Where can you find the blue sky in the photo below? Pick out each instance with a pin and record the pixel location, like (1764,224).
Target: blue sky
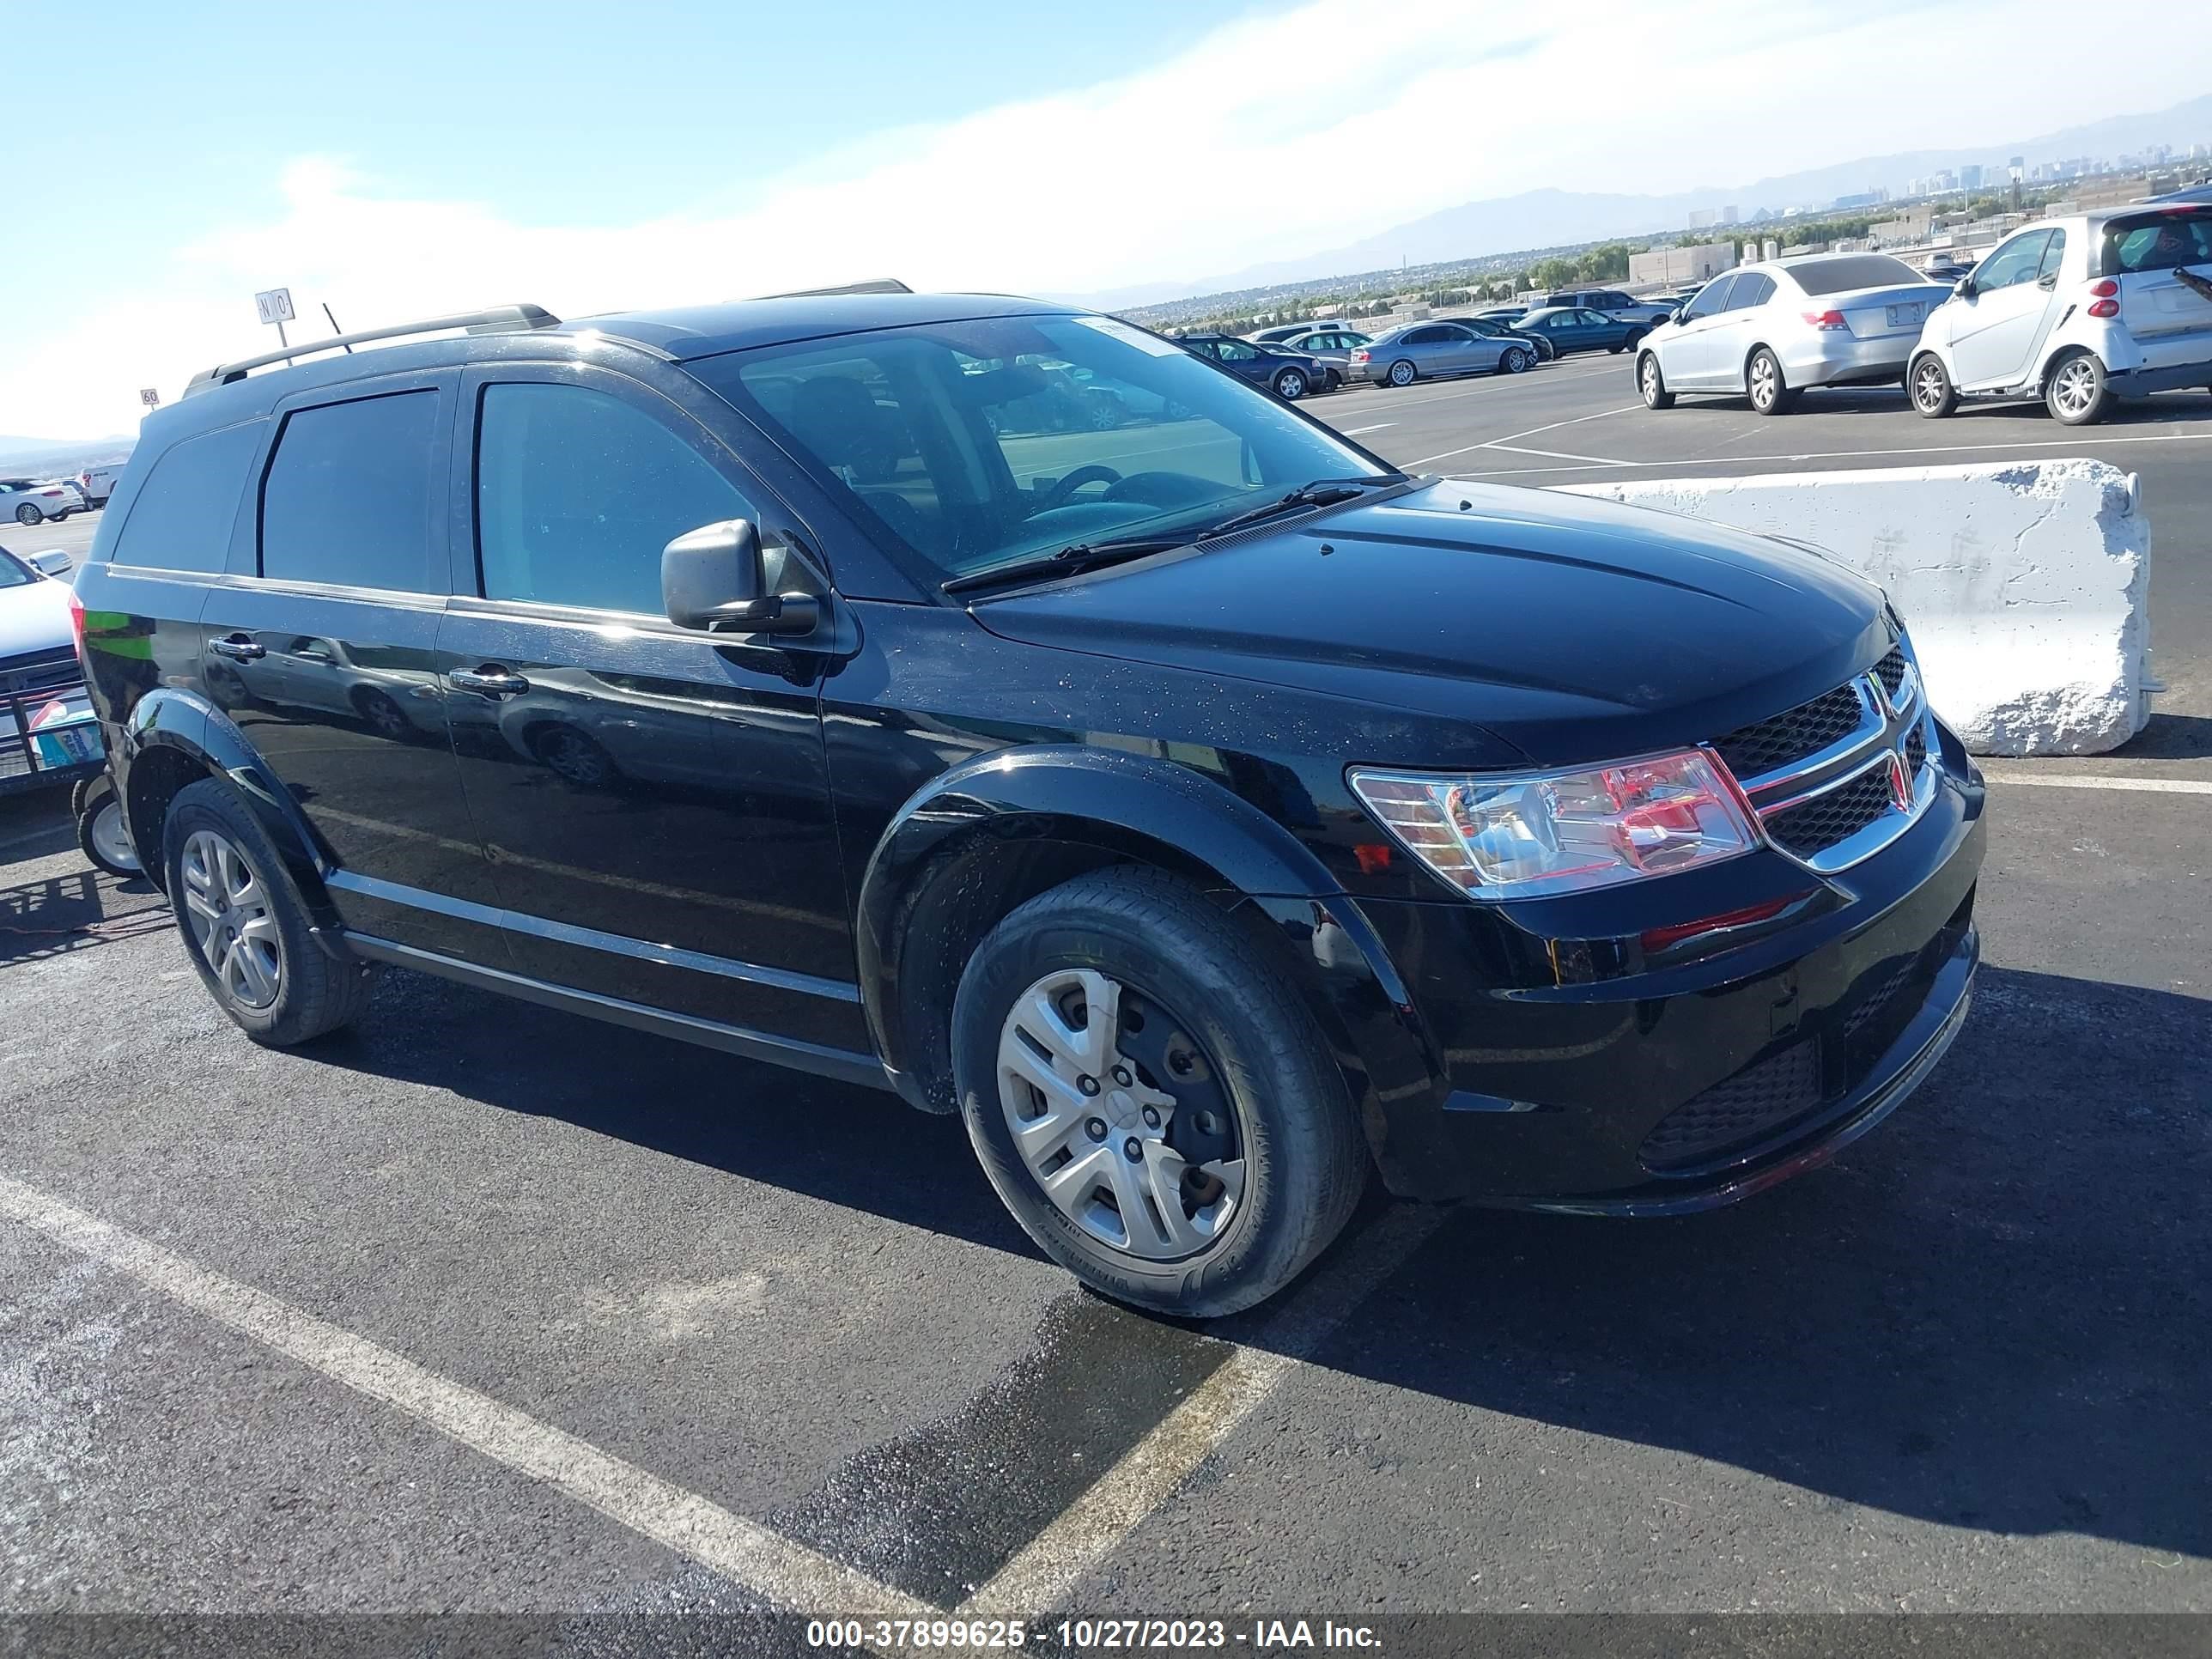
(407,158)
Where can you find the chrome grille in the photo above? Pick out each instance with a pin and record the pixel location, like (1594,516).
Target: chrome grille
(1890,671)
(1826,820)
(1809,727)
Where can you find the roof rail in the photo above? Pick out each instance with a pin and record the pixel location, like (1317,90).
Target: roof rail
(494,319)
(874,285)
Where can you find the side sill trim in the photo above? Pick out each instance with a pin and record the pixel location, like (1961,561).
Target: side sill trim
(515,922)
(840,1064)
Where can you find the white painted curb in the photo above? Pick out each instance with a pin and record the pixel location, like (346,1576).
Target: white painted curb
(2024,584)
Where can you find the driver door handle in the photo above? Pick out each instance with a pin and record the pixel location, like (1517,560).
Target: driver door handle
(238,648)
(490,679)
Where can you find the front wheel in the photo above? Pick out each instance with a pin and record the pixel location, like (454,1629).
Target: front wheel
(1934,396)
(1290,386)
(1402,374)
(1515,362)
(1150,1098)
(1652,384)
(28,515)
(2078,394)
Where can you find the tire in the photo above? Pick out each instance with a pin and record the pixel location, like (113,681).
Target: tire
(279,986)
(1928,383)
(1770,394)
(1290,386)
(103,834)
(576,757)
(1403,374)
(385,718)
(2077,394)
(1331,380)
(1651,383)
(1197,1000)
(28,515)
(1513,361)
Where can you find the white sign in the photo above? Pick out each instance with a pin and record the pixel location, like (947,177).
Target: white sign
(275,304)
(148,397)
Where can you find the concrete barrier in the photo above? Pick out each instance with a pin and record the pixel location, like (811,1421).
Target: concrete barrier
(2024,585)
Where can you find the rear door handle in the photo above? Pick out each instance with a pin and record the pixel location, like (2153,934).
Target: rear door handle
(238,648)
(490,679)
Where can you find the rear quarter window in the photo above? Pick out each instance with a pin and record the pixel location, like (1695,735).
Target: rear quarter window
(2163,241)
(185,511)
(347,497)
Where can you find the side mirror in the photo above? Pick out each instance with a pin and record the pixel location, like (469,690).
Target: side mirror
(54,562)
(714,579)
(1965,289)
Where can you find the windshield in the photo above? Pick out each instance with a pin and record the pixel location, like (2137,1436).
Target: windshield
(975,443)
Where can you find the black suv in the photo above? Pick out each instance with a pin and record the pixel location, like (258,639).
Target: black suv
(1212,814)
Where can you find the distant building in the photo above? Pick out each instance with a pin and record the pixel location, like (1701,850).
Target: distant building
(1671,265)
(1864,199)
(1701,218)
(1970,178)
(1727,215)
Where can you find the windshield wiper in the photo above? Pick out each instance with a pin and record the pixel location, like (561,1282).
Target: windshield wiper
(1321,492)
(1068,562)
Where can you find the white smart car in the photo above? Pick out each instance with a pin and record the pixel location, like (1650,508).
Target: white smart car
(2077,311)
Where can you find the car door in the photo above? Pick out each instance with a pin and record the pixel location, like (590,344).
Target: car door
(1691,356)
(1244,361)
(1739,326)
(343,550)
(2006,313)
(655,803)
(1466,351)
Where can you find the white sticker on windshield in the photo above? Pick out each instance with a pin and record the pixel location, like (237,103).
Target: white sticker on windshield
(1136,337)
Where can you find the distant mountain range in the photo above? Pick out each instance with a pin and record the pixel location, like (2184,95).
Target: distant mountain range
(54,456)
(1553,218)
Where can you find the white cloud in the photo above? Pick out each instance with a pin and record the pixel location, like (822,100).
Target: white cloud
(1264,141)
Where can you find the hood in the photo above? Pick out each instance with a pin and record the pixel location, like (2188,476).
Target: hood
(34,617)
(1574,629)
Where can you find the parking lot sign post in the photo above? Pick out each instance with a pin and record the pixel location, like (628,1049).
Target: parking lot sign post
(274,306)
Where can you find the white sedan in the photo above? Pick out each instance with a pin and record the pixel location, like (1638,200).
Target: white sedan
(1767,331)
(34,501)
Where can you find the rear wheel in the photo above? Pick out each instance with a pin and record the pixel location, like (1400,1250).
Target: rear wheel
(1930,382)
(1651,383)
(246,927)
(1403,373)
(1770,394)
(1150,1098)
(1290,386)
(2077,393)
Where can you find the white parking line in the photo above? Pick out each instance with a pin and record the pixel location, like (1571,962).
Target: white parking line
(1039,1576)
(1354,431)
(2093,781)
(1514,437)
(743,1551)
(1826,454)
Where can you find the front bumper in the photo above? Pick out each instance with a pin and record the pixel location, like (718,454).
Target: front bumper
(1632,1086)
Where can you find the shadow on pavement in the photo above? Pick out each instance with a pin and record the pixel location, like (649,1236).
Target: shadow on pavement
(1992,1312)
(2168,736)
(52,915)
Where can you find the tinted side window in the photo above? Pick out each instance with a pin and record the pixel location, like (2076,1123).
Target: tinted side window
(183,516)
(1712,297)
(348,495)
(1755,289)
(577,492)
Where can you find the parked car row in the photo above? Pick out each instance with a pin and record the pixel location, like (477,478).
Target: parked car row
(2076,311)
(33,502)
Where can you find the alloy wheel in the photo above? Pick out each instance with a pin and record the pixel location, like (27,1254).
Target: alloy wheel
(227,908)
(1120,1116)
(1928,385)
(1764,382)
(1649,379)
(2075,387)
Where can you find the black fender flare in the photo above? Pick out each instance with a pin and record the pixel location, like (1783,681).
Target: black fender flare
(928,881)
(174,724)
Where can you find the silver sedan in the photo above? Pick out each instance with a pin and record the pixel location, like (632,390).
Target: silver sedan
(1421,351)
(1767,331)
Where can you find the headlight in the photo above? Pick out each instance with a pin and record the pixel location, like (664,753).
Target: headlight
(1530,835)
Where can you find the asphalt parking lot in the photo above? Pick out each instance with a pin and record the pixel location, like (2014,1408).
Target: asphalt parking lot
(481,1309)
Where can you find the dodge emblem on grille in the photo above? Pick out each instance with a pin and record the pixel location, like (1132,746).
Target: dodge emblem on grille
(1900,782)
